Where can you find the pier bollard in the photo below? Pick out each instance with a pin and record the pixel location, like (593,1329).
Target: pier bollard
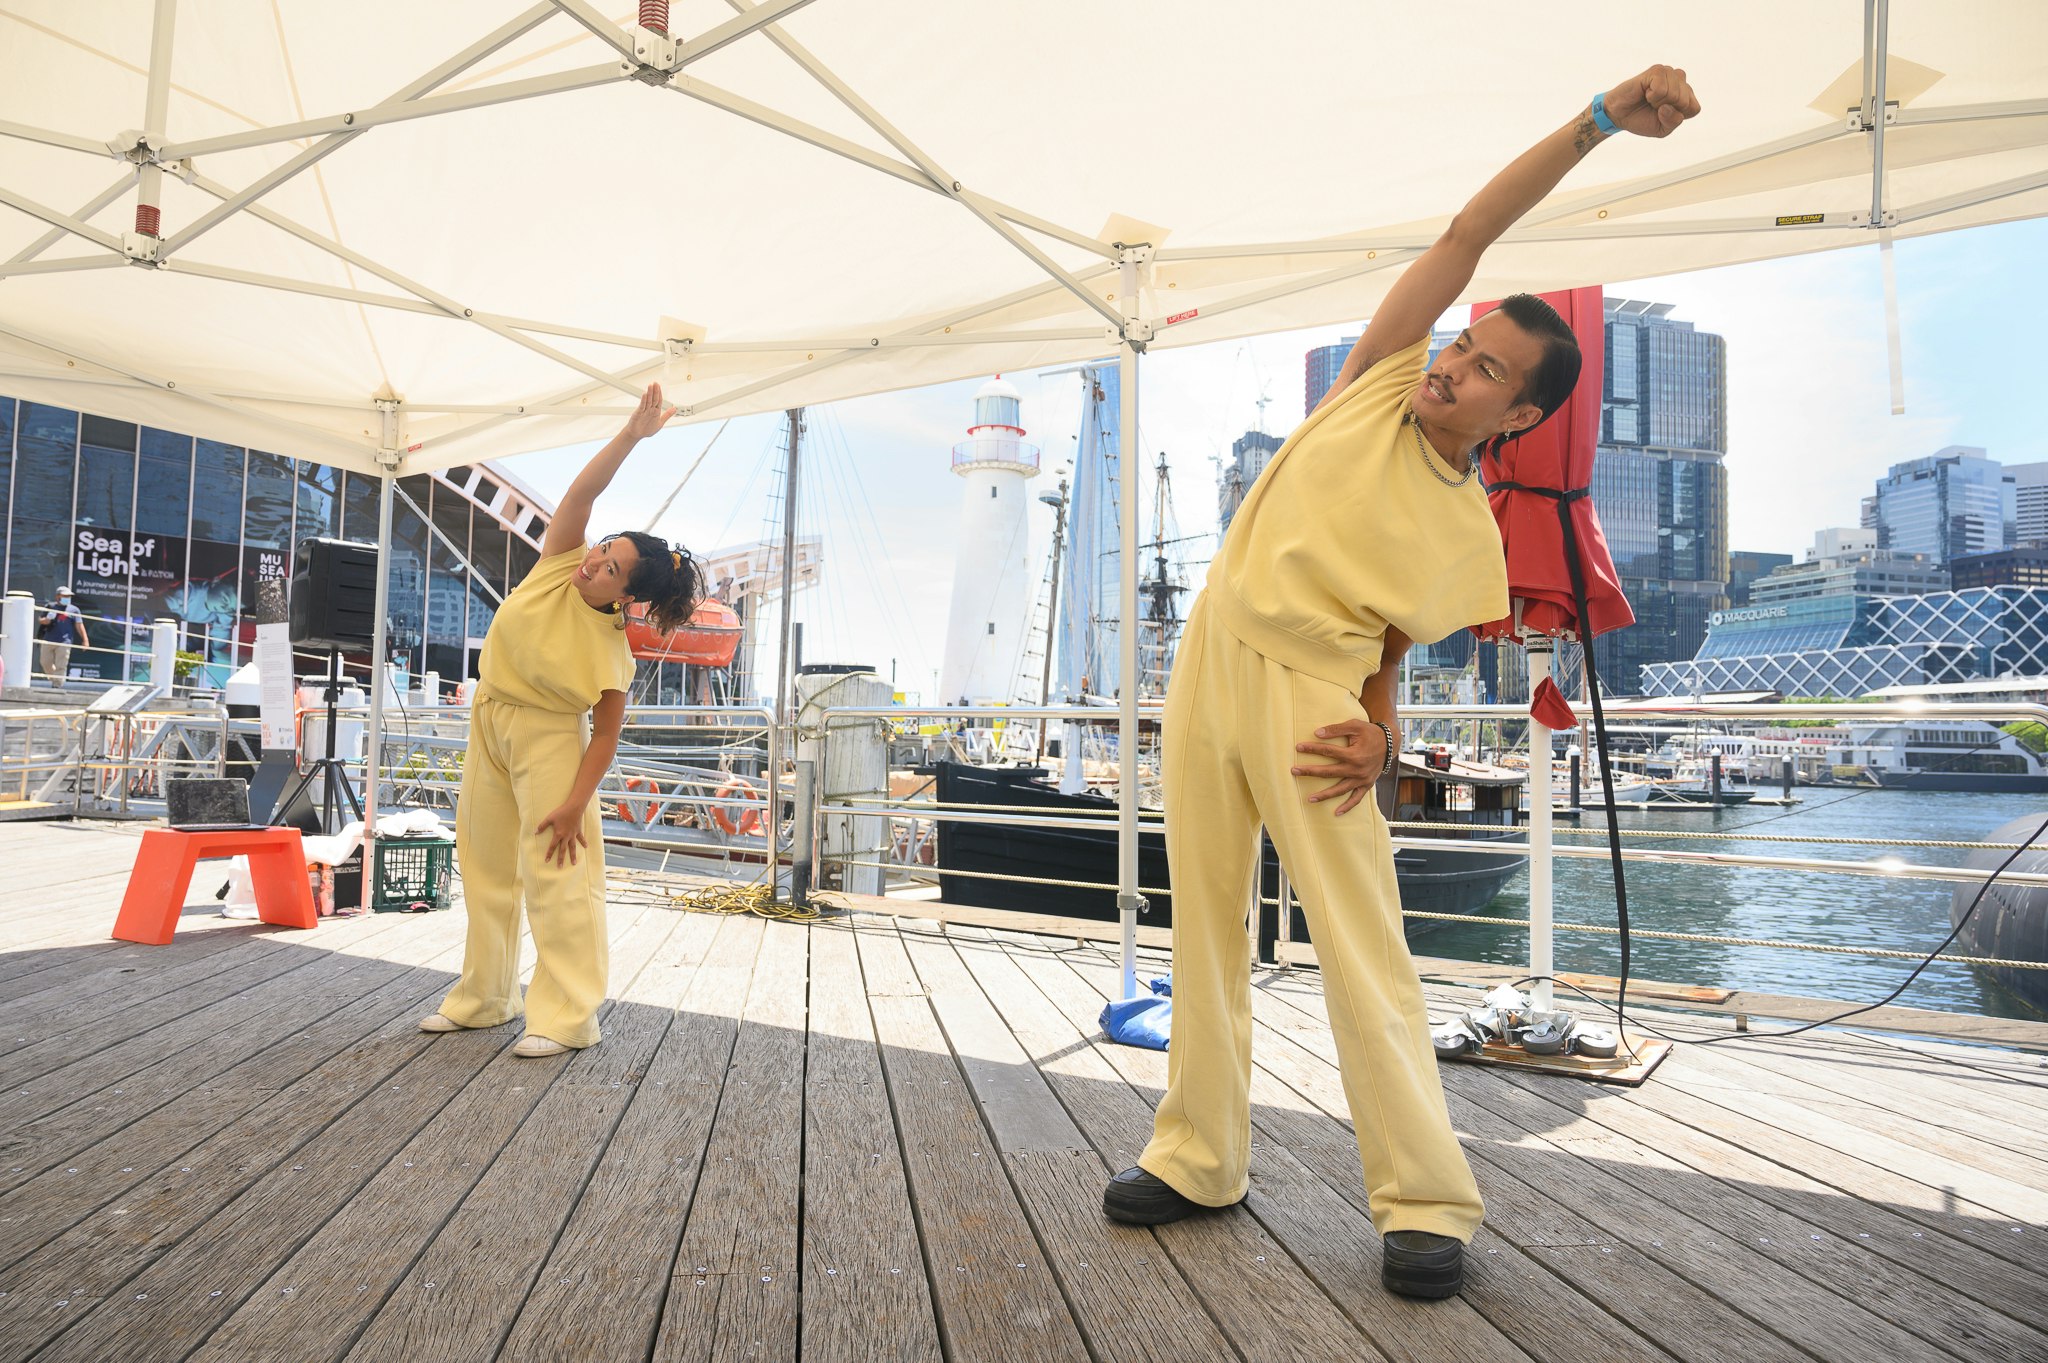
(803,837)
(1574,779)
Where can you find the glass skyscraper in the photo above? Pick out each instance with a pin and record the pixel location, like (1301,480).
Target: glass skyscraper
(1660,485)
(1951,503)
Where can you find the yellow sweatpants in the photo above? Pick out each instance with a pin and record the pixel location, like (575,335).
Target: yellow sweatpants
(521,764)
(1232,720)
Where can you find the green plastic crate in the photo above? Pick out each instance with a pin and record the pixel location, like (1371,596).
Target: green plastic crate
(412,871)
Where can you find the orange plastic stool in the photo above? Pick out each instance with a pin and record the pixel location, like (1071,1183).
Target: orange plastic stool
(163,872)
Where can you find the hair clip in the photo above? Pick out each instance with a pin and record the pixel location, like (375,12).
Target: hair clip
(676,554)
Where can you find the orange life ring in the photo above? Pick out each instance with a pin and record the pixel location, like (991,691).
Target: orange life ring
(749,820)
(642,814)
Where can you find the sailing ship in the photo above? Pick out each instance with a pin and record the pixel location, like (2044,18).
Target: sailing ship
(1465,799)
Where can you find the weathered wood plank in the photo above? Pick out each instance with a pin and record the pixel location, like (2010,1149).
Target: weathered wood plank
(1259,1291)
(167,1309)
(50,1203)
(974,1233)
(456,1102)
(149,1213)
(1111,1275)
(735,1288)
(1953,1296)
(318,1300)
(97,1019)
(111,1091)
(1295,1140)
(1669,1241)
(857,1216)
(599,1296)
(1936,1116)
(459,1298)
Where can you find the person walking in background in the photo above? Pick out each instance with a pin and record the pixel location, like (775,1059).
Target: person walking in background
(62,626)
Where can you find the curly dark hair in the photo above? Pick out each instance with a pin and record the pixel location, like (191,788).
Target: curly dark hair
(666,578)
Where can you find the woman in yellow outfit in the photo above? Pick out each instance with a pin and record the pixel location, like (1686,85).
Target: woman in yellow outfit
(550,698)
(1364,533)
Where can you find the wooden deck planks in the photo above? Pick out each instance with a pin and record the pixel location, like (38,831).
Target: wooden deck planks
(1712,1233)
(990,1282)
(601,1292)
(733,1292)
(864,1290)
(904,1128)
(459,1298)
(292,1081)
(362,1260)
(1127,1298)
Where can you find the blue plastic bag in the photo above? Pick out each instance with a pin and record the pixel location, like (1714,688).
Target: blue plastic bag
(1141,1021)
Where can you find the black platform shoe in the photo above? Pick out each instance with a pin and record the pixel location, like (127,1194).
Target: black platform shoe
(1141,1199)
(1416,1263)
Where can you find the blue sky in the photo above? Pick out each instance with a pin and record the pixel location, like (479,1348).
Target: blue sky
(1810,428)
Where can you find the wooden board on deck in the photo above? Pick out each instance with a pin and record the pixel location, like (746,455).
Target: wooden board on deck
(884,1115)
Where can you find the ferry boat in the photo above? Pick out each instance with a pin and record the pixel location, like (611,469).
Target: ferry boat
(1937,754)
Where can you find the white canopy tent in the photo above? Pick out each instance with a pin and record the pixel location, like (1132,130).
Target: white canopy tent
(398,237)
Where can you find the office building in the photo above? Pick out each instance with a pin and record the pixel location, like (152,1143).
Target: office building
(1953,502)
(1660,485)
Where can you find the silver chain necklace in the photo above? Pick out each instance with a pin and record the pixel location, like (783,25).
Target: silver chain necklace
(1430,459)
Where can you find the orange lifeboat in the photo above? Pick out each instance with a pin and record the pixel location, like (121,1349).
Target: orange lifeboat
(709,639)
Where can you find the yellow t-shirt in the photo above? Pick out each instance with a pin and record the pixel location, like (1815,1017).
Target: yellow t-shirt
(1347,531)
(547,649)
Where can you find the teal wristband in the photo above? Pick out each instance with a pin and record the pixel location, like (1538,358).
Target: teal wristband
(1600,118)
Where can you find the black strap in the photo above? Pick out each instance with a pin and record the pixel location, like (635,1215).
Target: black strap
(1564,499)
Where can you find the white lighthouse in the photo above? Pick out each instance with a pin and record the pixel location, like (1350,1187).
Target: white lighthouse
(991,576)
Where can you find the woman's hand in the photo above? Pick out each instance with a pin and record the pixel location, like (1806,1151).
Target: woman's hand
(650,416)
(564,829)
(1654,103)
(1358,755)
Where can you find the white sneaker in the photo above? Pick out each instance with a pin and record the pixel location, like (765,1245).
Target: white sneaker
(434,1022)
(533,1046)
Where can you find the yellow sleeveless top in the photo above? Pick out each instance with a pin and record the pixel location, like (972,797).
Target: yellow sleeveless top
(547,649)
(1347,531)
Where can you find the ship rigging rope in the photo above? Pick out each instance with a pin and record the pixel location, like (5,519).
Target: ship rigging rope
(662,510)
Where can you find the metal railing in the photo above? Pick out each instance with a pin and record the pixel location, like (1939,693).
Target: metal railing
(1890,867)
(676,768)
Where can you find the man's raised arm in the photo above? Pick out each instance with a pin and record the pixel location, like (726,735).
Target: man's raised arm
(1648,105)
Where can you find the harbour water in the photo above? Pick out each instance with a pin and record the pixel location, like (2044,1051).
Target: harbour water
(1908,915)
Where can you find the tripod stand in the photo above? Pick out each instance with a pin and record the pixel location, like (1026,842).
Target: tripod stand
(333,774)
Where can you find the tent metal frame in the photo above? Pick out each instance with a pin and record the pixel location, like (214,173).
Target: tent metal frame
(660,60)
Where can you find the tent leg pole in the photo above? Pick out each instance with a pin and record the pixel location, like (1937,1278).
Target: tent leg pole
(380,645)
(1540,916)
(1128,900)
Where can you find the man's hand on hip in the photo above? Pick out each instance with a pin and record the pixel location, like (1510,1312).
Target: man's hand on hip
(1357,750)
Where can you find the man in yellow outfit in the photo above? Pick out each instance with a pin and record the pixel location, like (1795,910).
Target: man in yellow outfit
(1364,533)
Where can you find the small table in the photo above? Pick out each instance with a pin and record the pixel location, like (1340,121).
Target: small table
(163,872)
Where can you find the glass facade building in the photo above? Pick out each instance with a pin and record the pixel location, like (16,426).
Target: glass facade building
(1745,566)
(1852,645)
(1321,367)
(144,524)
(1660,486)
(1951,503)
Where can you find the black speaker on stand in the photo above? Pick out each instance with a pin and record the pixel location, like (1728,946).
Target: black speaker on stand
(333,606)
